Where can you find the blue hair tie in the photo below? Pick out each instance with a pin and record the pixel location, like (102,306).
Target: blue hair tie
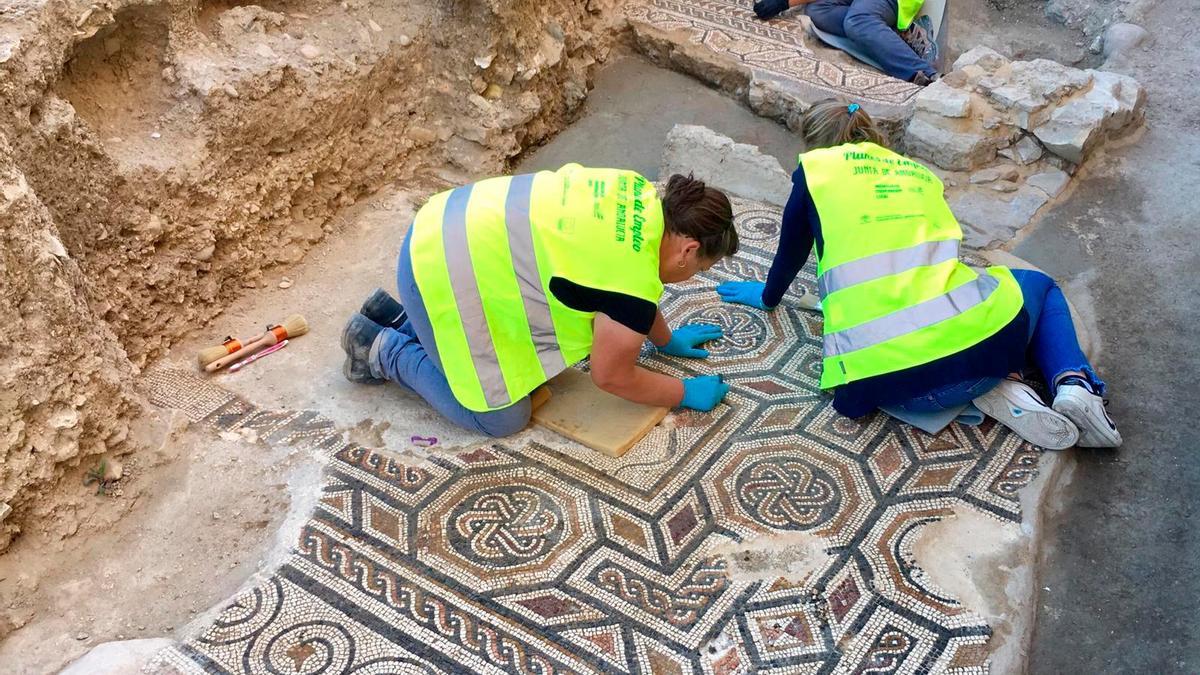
(853,108)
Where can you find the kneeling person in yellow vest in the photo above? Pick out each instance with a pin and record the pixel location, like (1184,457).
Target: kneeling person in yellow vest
(507,282)
(908,327)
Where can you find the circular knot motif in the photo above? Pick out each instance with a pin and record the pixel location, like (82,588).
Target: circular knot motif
(742,330)
(787,493)
(505,526)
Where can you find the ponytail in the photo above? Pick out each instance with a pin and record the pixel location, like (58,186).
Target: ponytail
(692,209)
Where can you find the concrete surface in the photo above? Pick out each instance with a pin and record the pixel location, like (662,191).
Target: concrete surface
(634,106)
(1121,578)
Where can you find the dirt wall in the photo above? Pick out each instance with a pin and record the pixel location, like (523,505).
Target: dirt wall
(165,154)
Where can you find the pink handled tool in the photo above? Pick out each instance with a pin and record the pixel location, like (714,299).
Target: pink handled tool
(254,357)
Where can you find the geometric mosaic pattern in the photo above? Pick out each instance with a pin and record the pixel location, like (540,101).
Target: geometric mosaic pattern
(518,557)
(729,29)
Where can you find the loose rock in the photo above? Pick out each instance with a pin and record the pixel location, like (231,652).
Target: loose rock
(1123,37)
(1052,182)
(1025,151)
(993,174)
(310,52)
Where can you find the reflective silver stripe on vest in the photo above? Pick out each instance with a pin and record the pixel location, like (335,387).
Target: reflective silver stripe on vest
(524,257)
(911,319)
(886,264)
(470,303)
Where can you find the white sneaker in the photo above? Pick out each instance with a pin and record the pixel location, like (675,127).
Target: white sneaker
(1017,406)
(1096,429)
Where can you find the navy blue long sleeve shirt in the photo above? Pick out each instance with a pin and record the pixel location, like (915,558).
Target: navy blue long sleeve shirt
(996,356)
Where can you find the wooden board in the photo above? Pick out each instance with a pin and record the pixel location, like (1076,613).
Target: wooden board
(579,410)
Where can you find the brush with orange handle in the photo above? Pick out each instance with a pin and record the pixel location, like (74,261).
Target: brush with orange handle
(293,326)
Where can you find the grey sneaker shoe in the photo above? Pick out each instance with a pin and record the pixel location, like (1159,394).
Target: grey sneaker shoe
(1076,400)
(358,337)
(919,36)
(1017,406)
(384,310)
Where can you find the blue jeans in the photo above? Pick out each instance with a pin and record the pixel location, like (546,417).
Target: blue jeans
(1053,347)
(409,357)
(871,24)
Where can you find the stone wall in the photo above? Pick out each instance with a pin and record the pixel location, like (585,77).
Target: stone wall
(1009,134)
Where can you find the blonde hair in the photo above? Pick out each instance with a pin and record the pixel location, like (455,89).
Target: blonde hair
(836,121)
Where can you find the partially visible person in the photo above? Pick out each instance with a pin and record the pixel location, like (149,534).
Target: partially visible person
(908,327)
(885,30)
(507,282)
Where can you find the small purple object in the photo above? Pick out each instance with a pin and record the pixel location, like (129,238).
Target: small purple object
(425,441)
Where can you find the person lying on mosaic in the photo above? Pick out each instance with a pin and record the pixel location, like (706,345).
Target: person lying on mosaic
(892,33)
(908,327)
(509,281)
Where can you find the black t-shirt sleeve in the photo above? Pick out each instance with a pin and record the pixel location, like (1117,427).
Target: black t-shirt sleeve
(635,314)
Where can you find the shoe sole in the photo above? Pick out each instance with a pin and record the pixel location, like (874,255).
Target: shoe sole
(352,370)
(1043,428)
(1093,433)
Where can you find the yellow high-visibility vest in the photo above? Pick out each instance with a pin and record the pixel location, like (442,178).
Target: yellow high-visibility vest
(894,293)
(906,12)
(483,256)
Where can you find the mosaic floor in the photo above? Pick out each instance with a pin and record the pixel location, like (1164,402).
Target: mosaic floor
(729,29)
(519,557)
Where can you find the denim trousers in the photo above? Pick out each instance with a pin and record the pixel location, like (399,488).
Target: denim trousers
(871,24)
(1053,348)
(408,356)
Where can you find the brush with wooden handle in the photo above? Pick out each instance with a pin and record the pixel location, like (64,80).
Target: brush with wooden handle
(229,346)
(293,326)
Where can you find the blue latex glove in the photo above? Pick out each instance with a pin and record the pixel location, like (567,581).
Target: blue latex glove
(703,393)
(747,293)
(685,338)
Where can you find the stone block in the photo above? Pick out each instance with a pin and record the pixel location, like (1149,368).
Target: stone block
(942,99)
(1052,182)
(1032,87)
(984,57)
(992,218)
(717,160)
(1075,128)
(957,145)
